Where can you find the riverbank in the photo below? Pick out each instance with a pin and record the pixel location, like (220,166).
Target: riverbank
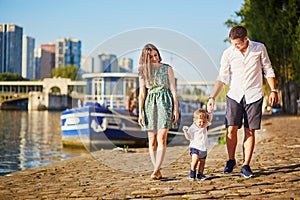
(111,174)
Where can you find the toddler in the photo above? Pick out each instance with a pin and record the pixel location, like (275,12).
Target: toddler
(197,134)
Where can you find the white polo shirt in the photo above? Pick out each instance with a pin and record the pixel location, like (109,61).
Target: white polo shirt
(244,73)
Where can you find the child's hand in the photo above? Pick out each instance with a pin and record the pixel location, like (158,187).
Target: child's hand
(185,129)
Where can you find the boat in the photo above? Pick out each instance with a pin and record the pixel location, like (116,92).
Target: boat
(108,115)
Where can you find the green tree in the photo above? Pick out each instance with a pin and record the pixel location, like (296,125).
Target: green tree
(198,91)
(65,72)
(7,76)
(277,25)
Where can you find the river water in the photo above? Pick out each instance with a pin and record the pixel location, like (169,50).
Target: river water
(30,139)
(33,138)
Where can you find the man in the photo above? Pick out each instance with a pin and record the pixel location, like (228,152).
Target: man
(243,66)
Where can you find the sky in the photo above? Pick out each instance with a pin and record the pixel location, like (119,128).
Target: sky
(190,34)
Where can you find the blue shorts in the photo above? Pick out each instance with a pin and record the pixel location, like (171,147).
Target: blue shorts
(237,112)
(201,154)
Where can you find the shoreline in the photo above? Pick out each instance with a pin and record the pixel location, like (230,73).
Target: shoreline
(120,175)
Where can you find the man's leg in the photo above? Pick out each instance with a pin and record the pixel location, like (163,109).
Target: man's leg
(252,121)
(233,121)
(248,145)
(231,141)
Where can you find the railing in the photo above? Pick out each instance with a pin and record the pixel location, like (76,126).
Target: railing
(112,101)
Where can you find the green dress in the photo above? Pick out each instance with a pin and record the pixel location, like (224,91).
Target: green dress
(158,107)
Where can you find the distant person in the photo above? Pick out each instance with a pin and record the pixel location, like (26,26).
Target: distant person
(158,105)
(197,135)
(243,66)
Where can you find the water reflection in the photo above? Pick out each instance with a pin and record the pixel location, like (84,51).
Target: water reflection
(29,139)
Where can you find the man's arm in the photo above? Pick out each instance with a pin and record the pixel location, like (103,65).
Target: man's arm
(273,98)
(211,101)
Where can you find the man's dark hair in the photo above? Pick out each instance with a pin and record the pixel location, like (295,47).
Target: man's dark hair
(238,32)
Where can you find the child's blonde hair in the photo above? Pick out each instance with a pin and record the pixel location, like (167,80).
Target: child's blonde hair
(200,114)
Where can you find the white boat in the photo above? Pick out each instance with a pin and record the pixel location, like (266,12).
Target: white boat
(109,113)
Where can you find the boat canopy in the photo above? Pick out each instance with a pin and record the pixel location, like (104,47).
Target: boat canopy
(113,90)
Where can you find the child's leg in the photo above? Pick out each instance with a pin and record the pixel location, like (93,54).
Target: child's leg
(201,166)
(195,160)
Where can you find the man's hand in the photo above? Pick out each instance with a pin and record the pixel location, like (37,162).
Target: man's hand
(210,105)
(273,98)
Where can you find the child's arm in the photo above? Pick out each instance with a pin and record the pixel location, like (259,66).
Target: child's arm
(210,117)
(186,134)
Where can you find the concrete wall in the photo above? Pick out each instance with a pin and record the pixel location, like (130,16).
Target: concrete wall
(58,102)
(41,101)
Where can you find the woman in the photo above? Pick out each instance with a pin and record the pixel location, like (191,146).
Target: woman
(158,105)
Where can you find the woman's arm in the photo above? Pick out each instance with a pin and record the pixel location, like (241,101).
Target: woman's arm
(174,94)
(142,95)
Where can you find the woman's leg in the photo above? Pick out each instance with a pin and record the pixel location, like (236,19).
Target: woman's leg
(161,147)
(152,146)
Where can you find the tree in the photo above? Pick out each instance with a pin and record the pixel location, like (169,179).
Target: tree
(7,76)
(65,72)
(277,25)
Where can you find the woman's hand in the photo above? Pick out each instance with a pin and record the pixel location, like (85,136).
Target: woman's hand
(141,121)
(175,116)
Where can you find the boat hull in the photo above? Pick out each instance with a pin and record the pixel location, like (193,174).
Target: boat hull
(97,127)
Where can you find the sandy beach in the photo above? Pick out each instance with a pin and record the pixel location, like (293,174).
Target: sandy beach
(109,174)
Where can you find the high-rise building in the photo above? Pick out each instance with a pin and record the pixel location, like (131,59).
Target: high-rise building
(11,48)
(28,67)
(37,62)
(47,62)
(68,52)
(125,64)
(106,63)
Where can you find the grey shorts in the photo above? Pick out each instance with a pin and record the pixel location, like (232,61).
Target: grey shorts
(237,112)
(201,154)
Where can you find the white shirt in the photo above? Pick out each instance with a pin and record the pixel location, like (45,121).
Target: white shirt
(244,72)
(199,138)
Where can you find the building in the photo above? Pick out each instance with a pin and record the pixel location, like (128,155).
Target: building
(47,61)
(106,63)
(28,66)
(87,64)
(37,62)
(125,64)
(68,52)
(11,48)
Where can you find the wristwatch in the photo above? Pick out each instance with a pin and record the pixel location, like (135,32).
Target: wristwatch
(213,98)
(274,90)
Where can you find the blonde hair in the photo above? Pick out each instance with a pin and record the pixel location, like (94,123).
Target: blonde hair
(145,68)
(200,114)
